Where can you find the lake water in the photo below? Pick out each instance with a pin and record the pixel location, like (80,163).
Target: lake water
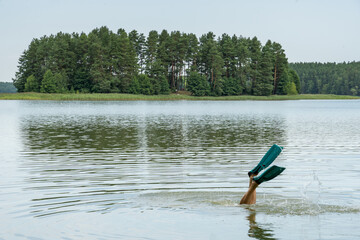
(177,170)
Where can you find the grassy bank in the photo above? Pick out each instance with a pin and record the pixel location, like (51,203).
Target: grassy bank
(131,97)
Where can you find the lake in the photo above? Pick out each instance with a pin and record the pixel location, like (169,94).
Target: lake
(178,169)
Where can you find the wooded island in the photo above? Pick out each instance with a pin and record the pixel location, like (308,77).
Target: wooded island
(159,63)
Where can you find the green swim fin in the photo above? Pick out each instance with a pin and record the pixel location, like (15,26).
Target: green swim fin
(268,158)
(269,174)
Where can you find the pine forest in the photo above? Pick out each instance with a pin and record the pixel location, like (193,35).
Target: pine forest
(329,78)
(159,63)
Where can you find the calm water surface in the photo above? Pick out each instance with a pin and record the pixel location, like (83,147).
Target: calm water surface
(177,170)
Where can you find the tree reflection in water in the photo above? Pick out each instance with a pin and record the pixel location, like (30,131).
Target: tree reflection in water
(258,231)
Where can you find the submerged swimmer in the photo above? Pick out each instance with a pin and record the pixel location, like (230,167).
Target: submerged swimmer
(250,196)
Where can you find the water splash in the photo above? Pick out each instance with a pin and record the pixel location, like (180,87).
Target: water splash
(268,204)
(311,191)
(281,206)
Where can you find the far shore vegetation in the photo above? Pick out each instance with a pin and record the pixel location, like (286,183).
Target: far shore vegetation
(168,97)
(163,63)
(329,78)
(7,87)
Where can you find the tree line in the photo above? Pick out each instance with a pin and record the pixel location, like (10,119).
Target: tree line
(107,62)
(329,78)
(7,87)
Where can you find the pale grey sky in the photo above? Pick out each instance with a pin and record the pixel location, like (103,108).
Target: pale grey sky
(308,30)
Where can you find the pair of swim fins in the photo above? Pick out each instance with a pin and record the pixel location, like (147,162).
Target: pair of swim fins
(268,158)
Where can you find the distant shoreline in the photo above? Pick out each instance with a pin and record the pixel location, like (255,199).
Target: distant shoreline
(170,97)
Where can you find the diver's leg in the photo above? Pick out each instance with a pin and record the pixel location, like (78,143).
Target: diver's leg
(250,196)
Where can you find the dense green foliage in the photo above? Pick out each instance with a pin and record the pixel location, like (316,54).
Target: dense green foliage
(7,87)
(107,62)
(329,78)
(169,97)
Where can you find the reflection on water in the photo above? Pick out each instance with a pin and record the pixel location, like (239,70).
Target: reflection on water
(62,133)
(68,160)
(96,163)
(258,231)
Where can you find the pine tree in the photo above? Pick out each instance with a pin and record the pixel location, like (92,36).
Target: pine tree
(163,54)
(31,84)
(263,85)
(227,48)
(48,84)
(192,52)
(164,85)
(81,80)
(210,59)
(292,89)
(61,82)
(283,84)
(151,49)
(138,43)
(254,67)
(216,65)
(124,62)
(198,84)
(294,77)
(241,58)
(145,86)
(280,63)
(100,60)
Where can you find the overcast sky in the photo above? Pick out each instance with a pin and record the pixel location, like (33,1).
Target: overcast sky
(308,30)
